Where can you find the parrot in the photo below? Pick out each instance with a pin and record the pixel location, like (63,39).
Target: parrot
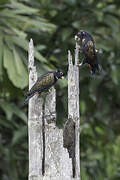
(44,83)
(88,50)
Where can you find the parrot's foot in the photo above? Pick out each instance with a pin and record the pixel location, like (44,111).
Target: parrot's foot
(79,64)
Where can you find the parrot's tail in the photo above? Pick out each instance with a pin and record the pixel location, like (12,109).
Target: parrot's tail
(28,97)
(94,68)
(31,94)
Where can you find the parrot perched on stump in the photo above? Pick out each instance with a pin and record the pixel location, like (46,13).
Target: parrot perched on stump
(88,50)
(44,82)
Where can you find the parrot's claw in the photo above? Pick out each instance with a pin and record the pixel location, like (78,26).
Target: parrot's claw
(79,64)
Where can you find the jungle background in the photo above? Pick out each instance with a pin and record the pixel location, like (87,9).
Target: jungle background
(53,25)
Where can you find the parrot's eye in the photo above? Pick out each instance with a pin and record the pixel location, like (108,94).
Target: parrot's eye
(83,33)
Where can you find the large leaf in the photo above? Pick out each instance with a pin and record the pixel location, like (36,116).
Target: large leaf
(22,8)
(40,23)
(15,68)
(23,43)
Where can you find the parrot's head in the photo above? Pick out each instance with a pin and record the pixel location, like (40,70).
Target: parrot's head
(82,35)
(58,74)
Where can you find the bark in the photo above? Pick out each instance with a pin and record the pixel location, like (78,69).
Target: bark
(72,126)
(34,123)
(48,159)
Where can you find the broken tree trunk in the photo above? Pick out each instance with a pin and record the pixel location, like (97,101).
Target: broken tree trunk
(48,159)
(72,126)
(34,123)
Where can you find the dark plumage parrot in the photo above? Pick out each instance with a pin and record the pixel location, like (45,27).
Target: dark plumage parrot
(44,82)
(88,50)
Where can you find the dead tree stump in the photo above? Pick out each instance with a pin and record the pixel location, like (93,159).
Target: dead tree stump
(72,127)
(48,159)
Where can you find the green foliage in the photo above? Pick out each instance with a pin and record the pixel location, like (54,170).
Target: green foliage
(52,27)
(16,19)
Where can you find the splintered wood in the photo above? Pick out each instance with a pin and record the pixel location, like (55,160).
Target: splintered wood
(48,159)
(34,122)
(72,126)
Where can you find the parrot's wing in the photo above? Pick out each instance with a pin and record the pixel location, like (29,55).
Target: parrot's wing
(43,82)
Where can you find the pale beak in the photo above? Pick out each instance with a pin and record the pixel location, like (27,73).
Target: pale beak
(96,50)
(62,77)
(83,40)
(77,38)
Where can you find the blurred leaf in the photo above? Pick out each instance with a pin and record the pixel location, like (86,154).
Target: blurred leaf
(7,109)
(10,109)
(115,74)
(15,68)
(22,8)
(18,135)
(24,44)
(1,56)
(66,34)
(82,107)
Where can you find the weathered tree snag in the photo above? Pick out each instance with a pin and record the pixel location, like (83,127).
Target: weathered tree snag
(77,117)
(72,127)
(48,159)
(34,123)
(58,166)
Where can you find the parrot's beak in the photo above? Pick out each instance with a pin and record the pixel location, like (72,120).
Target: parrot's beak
(62,77)
(77,38)
(96,50)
